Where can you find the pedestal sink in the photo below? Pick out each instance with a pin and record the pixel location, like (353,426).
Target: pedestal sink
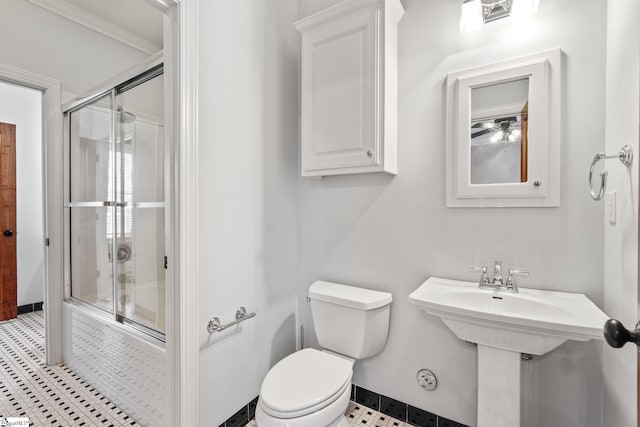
(504,325)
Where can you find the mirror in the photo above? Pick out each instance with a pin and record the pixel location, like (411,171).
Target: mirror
(498,131)
(503,133)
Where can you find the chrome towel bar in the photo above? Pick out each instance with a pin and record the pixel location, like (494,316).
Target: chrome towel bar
(625,155)
(214,324)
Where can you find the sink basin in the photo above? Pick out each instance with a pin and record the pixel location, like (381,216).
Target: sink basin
(505,324)
(531,321)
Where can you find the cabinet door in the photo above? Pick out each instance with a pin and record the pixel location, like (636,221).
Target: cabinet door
(340,77)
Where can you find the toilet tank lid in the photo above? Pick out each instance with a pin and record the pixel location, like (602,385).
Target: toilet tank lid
(349,296)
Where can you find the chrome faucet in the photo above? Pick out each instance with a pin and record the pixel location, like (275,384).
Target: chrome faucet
(497,282)
(497,274)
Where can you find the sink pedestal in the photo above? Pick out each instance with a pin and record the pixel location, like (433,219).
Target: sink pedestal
(498,387)
(504,325)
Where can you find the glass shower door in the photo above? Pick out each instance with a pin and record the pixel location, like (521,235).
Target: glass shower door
(115,203)
(91,204)
(140,274)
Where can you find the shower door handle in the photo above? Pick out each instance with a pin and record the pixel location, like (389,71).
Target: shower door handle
(8,233)
(102,204)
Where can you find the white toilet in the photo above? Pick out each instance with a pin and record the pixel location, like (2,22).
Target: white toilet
(311,388)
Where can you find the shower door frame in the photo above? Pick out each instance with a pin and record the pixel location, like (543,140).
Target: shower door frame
(136,76)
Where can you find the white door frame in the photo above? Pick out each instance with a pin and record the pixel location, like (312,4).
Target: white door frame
(52,191)
(181,94)
(182,352)
(181,102)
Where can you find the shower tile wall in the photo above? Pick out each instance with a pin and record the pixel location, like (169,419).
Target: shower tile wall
(128,370)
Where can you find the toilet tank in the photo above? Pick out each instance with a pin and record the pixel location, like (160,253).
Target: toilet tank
(349,320)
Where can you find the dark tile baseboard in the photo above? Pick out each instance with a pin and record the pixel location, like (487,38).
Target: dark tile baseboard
(386,405)
(399,410)
(29,308)
(242,416)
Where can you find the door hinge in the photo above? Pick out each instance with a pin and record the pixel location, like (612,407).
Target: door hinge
(166,262)
(46,241)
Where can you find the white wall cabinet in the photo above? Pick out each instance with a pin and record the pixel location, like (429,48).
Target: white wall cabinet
(349,88)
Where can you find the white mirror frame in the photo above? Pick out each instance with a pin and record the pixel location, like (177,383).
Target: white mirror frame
(542,188)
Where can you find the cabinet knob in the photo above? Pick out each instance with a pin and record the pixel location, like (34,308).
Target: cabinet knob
(370,153)
(617,335)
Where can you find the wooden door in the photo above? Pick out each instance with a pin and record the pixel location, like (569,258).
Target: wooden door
(8,256)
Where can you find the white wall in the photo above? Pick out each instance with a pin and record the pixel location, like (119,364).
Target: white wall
(621,239)
(34,39)
(248,59)
(391,233)
(23,107)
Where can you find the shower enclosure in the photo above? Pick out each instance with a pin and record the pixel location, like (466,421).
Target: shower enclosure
(115,203)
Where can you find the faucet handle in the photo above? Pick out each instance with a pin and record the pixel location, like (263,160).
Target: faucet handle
(511,279)
(484,278)
(513,272)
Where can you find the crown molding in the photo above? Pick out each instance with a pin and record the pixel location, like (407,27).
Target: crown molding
(96,23)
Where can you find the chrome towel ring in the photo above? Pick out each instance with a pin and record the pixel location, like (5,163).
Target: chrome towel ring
(625,155)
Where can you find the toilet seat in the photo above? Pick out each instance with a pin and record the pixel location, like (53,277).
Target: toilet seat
(304,382)
(329,416)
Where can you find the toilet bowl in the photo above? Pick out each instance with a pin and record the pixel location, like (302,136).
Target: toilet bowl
(308,388)
(311,388)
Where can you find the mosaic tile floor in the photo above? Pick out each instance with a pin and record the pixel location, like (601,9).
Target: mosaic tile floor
(56,396)
(47,395)
(360,415)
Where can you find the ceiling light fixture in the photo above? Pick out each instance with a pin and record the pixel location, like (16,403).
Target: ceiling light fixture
(475,13)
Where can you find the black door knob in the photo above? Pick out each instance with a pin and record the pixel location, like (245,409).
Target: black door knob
(8,233)
(617,335)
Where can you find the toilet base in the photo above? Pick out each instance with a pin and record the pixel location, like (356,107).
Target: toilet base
(330,416)
(340,422)
(343,422)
